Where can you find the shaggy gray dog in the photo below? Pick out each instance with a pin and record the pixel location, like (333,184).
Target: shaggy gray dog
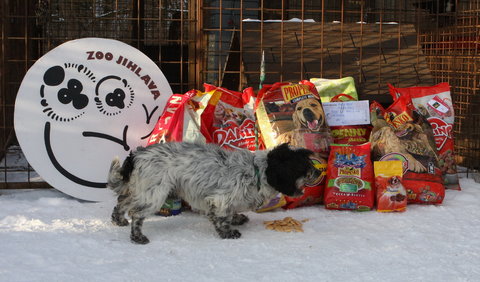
(221,183)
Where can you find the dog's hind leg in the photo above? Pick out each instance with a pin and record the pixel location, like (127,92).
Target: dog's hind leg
(118,214)
(239,219)
(222,225)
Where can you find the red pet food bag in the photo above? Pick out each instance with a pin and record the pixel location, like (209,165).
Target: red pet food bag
(180,119)
(292,113)
(435,104)
(349,178)
(400,133)
(229,120)
(391,195)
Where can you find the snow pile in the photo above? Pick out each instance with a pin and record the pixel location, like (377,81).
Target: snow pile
(48,236)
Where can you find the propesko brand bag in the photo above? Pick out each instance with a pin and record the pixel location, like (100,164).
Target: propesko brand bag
(391,195)
(349,178)
(228,120)
(292,113)
(400,133)
(435,104)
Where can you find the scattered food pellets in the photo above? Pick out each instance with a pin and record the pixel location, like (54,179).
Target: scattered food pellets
(288,224)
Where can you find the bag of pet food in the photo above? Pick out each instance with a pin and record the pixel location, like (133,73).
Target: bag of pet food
(400,133)
(229,120)
(329,88)
(349,178)
(391,195)
(435,104)
(180,119)
(292,113)
(349,134)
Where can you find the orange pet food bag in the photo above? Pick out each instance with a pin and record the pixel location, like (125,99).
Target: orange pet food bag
(391,194)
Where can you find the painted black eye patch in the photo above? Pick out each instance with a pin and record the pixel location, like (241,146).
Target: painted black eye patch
(73,94)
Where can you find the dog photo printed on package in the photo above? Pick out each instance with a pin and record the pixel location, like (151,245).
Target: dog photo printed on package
(391,194)
(400,133)
(292,113)
(435,104)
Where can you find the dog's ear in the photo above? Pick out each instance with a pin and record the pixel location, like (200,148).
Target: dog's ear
(286,166)
(296,120)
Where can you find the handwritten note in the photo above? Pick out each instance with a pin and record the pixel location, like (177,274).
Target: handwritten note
(347,113)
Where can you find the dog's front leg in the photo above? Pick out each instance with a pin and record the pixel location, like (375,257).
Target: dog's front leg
(222,225)
(136,235)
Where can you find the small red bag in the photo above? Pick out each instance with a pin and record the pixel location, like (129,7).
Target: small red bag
(349,178)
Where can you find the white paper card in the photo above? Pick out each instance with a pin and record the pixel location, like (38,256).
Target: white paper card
(347,113)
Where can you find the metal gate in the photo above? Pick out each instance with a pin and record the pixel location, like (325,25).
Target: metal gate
(405,43)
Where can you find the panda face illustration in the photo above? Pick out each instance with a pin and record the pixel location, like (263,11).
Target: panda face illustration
(82,104)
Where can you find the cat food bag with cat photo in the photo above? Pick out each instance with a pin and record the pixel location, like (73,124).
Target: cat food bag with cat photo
(390,193)
(293,113)
(349,178)
(401,134)
(435,104)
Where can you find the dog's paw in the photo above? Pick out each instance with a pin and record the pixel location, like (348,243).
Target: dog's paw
(230,234)
(120,221)
(239,219)
(139,239)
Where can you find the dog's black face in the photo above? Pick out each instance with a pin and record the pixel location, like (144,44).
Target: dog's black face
(289,169)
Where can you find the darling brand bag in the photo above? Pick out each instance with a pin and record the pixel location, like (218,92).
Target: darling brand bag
(435,104)
(391,195)
(228,120)
(292,113)
(349,178)
(400,133)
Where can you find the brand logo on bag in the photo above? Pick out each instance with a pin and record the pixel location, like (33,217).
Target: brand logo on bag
(237,137)
(442,131)
(296,92)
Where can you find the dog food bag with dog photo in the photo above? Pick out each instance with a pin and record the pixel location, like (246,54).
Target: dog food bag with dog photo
(391,195)
(229,120)
(435,104)
(400,133)
(292,113)
(349,178)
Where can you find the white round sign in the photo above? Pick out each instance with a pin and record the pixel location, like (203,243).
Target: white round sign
(82,104)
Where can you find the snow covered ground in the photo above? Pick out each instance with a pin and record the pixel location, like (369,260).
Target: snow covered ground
(48,236)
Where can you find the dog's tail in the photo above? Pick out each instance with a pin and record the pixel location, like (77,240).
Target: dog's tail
(119,174)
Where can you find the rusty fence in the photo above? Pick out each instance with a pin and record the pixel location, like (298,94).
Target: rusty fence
(405,43)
